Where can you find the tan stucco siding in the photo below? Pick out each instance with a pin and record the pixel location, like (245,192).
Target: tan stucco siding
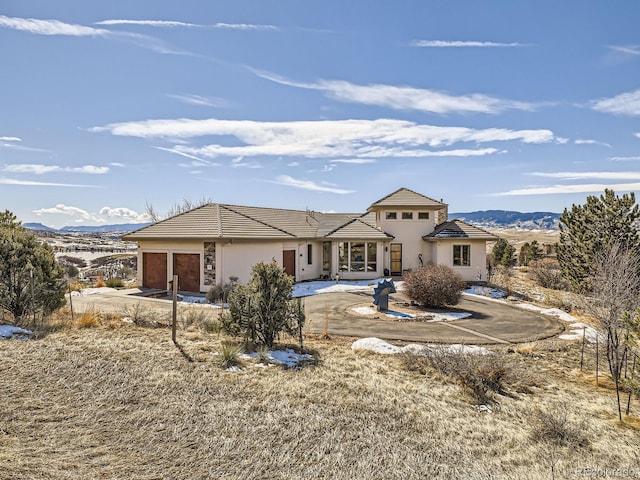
(476,271)
(409,233)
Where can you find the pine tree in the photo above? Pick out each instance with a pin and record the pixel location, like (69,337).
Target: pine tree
(31,280)
(586,230)
(504,253)
(529,252)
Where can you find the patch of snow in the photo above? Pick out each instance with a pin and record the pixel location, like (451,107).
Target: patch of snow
(554,312)
(364,310)
(305,289)
(286,357)
(392,313)
(484,408)
(233,368)
(93,291)
(485,291)
(578,330)
(9,331)
(448,316)
(377,345)
(191,299)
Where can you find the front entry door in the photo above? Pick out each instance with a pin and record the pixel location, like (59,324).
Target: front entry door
(396,259)
(289,262)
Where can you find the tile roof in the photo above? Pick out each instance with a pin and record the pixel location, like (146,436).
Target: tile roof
(459,229)
(403,197)
(218,221)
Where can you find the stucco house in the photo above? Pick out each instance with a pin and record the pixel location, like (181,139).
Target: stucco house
(401,231)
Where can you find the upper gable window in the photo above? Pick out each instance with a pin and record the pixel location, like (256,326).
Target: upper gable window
(423,215)
(407,215)
(391,215)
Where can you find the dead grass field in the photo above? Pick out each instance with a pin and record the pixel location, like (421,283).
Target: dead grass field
(118,401)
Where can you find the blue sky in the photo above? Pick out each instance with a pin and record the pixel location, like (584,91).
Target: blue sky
(327,105)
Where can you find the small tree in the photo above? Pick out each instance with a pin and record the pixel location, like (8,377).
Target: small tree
(504,253)
(546,273)
(529,252)
(264,308)
(434,285)
(615,285)
(31,281)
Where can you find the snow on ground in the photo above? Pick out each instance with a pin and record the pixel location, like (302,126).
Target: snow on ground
(433,317)
(93,291)
(305,289)
(485,291)
(287,357)
(373,344)
(9,331)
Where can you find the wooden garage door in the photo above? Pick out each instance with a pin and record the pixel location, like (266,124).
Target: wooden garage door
(187,267)
(154,270)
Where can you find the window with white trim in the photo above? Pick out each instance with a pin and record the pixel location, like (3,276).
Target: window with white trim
(391,215)
(423,215)
(462,255)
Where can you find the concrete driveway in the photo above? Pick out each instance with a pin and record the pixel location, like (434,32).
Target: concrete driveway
(490,323)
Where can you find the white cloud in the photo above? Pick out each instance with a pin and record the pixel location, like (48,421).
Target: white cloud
(627,49)
(50,27)
(404,97)
(564,189)
(586,141)
(10,139)
(309,185)
(42,169)
(590,175)
(117,164)
(637,134)
(358,161)
(56,27)
(31,168)
(62,209)
(173,24)
(28,183)
(562,140)
(123,213)
(293,164)
(458,44)
(178,150)
(241,163)
(623,104)
(201,100)
(624,159)
(324,138)
(23,148)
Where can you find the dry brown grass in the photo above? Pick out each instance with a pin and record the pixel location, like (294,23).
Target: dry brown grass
(124,403)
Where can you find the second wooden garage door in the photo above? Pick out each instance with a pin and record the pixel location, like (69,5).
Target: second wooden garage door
(187,267)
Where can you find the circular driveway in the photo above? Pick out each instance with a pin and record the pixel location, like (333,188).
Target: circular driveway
(490,322)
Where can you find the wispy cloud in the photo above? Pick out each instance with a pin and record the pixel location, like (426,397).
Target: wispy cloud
(325,138)
(589,175)
(625,159)
(309,185)
(39,169)
(51,27)
(10,139)
(566,189)
(174,24)
(357,161)
(201,100)
(240,162)
(56,27)
(404,97)
(28,183)
(117,164)
(587,141)
(623,104)
(62,209)
(626,49)
(178,150)
(463,44)
(637,134)
(23,148)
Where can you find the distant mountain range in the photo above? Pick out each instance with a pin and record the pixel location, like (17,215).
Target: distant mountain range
(509,219)
(120,227)
(484,218)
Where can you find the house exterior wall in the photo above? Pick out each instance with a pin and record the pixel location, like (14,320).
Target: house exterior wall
(443,251)
(381,261)
(409,233)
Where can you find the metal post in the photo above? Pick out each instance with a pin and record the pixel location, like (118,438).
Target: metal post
(174,320)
